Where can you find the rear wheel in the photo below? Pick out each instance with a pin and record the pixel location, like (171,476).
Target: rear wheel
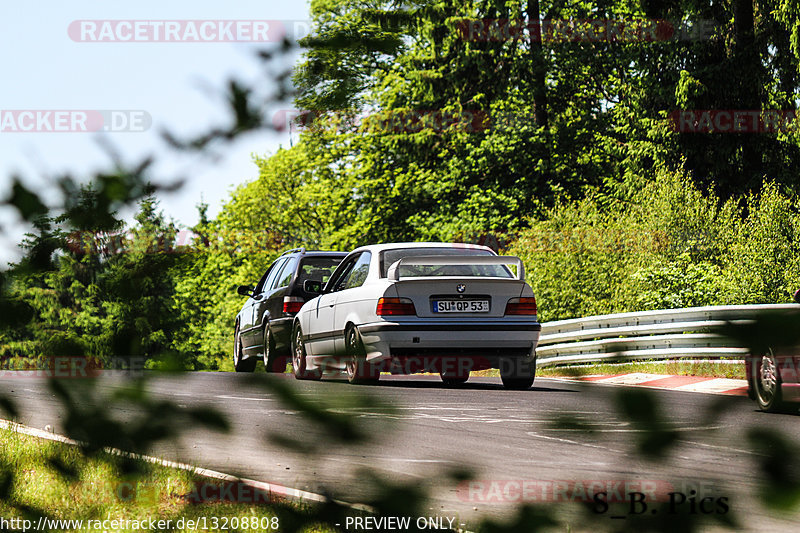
(517,374)
(359,371)
(272,361)
(239,363)
(299,357)
(767,380)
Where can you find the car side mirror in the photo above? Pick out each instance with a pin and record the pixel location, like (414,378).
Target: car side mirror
(312,286)
(797,296)
(244,290)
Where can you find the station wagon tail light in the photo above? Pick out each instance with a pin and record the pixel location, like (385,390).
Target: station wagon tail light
(292,304)
(521,306)
(395,306)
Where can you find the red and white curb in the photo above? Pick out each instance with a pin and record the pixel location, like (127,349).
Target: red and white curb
(731,387)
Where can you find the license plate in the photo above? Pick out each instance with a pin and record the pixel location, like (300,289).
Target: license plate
(460,306)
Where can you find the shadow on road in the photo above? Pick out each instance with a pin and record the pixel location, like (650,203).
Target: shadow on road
(433,382)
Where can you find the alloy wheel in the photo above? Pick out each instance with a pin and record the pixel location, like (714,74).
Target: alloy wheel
(297,353)
(768,376)
(768,383)
(352,363)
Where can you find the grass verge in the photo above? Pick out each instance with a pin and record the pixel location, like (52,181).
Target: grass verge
(711,369)
(45,478)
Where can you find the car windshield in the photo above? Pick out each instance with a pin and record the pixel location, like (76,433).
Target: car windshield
(388,257)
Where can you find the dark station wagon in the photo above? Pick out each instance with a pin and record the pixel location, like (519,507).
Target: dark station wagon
(263,326)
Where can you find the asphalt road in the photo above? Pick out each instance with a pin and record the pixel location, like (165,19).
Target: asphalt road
(547,444)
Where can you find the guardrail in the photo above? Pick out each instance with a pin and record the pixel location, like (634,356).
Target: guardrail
(664,334)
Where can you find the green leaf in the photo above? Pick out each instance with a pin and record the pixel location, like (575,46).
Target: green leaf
(28,203)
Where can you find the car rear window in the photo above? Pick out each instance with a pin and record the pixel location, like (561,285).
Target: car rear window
(317,268)
(388,257)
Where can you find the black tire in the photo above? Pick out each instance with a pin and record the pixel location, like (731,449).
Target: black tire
(273,361)
(239,364)
(359,372)
(516,374)
(767,383)
(452,380)
(299,357)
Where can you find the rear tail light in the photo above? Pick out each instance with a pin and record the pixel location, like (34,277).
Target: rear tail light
(521,306)
(292,304)
(395,306)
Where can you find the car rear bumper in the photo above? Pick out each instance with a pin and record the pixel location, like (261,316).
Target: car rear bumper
(489,341)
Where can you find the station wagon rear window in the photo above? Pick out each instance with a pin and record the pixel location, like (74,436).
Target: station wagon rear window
(318,268)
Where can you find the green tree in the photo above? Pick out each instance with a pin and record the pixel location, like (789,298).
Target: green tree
(105,292)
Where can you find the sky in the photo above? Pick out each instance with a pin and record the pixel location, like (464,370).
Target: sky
(138,88)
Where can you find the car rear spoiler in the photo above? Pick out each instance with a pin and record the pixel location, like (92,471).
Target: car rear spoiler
(394,270)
